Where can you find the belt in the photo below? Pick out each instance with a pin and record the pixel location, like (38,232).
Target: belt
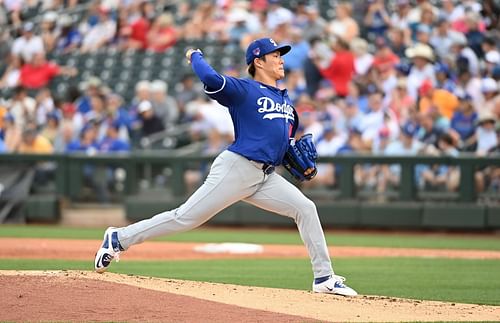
(268,169)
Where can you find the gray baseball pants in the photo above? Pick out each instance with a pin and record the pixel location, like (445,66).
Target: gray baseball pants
(233,178)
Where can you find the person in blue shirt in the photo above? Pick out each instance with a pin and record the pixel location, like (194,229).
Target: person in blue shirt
(464,120)
(264,120)
(112,142)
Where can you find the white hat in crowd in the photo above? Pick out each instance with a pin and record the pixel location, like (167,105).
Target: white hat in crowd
(492,57)
(144,106)
(420,50)
(489,85)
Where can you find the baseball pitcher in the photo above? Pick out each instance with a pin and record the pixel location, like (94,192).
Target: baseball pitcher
(264,124)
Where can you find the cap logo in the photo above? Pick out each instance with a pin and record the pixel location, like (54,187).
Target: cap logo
(256,51)
(273,42)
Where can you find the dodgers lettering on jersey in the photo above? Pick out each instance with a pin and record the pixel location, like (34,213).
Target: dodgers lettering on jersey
(262,115)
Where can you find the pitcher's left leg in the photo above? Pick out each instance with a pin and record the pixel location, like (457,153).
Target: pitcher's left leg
(282,197)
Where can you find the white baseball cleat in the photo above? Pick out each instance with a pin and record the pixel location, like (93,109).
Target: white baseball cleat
(110,249)
(334,285)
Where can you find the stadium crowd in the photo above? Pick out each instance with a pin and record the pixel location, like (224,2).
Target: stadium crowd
(396,77)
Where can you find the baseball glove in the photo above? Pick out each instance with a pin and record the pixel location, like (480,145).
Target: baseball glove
(300,158)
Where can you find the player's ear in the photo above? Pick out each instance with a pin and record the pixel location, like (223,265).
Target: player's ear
(257,62)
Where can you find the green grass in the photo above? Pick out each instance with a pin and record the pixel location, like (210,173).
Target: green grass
(400,240)
(453,280)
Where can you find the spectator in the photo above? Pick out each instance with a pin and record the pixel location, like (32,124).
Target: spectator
(38,72)
(384,58)
(52,128)
(69,37)
(373,121)
(405,145)
(398,41)
(422,57)
(343,26)
(48,31)
(65,136)
(34,143)
(119,115)
(341,68)
(28,43)
(428,132)
(399,18)
(22,106)
(295,60)
(376,20)
(295,84)
(466,58)
(11,133)
(471,85)
(387,80)
(485,137)
(315,24)
(441,177)
(309,124)
(239,28)
(363,60)
(139,28)
(277,14)
(442,38)
(474,33)
(164,106)
(184,94)
(452,12)
(328,145)
(491,97)
(111,141)
(162,34)
(101,33)
(44,105)
(491,55)
(443,77)
(427,19)
(10,77)
(86,142)
(400,101)
(352,114)
(445,102)
(320,57)
(464,121)
(151,124)
(422,13)
(424,32)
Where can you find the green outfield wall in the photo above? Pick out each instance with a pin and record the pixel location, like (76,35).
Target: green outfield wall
(155,181)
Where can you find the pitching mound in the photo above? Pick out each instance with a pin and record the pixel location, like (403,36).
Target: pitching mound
(89,297)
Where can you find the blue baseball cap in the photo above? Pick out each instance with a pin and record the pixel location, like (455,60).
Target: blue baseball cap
(264,46)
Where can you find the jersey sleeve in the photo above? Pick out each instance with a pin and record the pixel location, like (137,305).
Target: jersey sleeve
(224,89)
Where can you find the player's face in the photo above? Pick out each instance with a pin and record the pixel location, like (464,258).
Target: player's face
(274,65)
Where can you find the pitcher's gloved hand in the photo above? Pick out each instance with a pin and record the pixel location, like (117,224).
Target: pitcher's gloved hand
(300,158)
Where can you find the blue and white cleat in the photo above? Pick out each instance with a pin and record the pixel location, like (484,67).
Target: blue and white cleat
(110,249)
(334,285)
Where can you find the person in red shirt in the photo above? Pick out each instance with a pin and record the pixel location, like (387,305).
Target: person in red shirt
(162,34)
(39,72)
(140,27)
(384,56)
(341,69)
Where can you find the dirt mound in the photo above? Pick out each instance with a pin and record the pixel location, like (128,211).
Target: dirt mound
(87,296)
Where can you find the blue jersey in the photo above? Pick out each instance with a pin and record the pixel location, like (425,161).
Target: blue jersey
(263,115)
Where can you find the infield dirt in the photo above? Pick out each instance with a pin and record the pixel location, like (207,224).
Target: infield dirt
(80,296)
